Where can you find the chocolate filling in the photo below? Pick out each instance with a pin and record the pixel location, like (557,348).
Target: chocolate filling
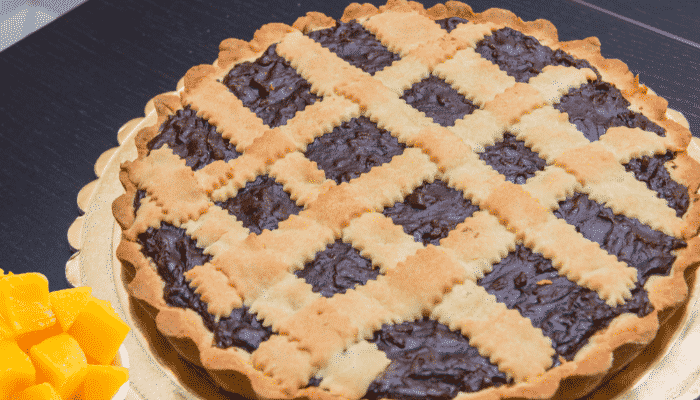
(513,159)
(352,149)
(174,253)
(523,57)
(431,211)
(336,269)
(270,87)
(438,100)
(449,24)
(632,242)
(193,139)
(261,204)
(428,361)
(567,313)
(597,106)
(652,171)
(351,42)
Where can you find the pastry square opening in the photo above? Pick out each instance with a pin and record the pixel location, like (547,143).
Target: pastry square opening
(270,87)
(336,269)
(261,204)
(523,57)
(512,159)
(653,172)
(354,44)
(353,148)
(193,139)
(431,211)
(438,100)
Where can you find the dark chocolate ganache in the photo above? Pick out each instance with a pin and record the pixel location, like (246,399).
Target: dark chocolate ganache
(174,253)
(261,204)
(523,57)
(336,269)
(431,211)
(270,87)
(352,149)
(597,106)
(513,159)
(438,100)
(449,24)
(428,361)
(652,171)
(567,313)
(193,139)
(632,242)
(351,42)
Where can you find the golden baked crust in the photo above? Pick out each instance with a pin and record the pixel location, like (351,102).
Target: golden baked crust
(326,336)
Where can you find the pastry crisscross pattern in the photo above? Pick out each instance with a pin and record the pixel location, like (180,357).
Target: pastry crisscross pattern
(326,336)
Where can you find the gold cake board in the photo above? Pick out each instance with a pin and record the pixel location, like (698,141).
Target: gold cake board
(669,368)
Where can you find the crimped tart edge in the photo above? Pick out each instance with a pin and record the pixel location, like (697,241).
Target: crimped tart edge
(594,363)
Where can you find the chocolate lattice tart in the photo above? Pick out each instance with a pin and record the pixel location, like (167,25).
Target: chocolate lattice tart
(468,208)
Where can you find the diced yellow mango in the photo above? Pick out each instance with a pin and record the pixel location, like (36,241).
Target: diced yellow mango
(6,331)
(42,391)
(16,370)
(29,339)
(61,362)
(102,382)
(24,302)
(68,303)
(99,331)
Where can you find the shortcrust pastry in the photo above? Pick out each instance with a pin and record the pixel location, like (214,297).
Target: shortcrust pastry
(468,208)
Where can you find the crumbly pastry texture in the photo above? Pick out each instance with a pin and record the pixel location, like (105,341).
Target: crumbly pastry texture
(233,210)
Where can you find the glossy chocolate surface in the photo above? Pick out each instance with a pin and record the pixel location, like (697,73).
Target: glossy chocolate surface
(193,139)
(632,242)
(431,211)
(428,361)
(270,87)
(652,171)
(352,149)
(261,204)
(513,159)
(336,269)
(174,253)
(523,57)
(567,313)
(438,100)
(597,106)
(351,42)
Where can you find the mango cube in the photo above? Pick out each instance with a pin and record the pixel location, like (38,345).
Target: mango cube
(102,382)
(16,369)
(61,362)
(99,331)
(29,339)
(68,303)
(43,391)
(24,302)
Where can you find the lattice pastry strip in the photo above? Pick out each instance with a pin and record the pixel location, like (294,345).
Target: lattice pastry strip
(607,182)
(398,178)
(548,132)
(215,103)
(212,226)
(474,77)
(393,33)
(301,178)
(627,143)
(282,300)
(480,238)
(214,287)
(150,215)
(170,183)
(551,185)
(583,261)
(556,80)
(485,321)
(380,240)
(349,373)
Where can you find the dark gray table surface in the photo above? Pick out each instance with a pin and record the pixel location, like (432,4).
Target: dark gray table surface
(67,88)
